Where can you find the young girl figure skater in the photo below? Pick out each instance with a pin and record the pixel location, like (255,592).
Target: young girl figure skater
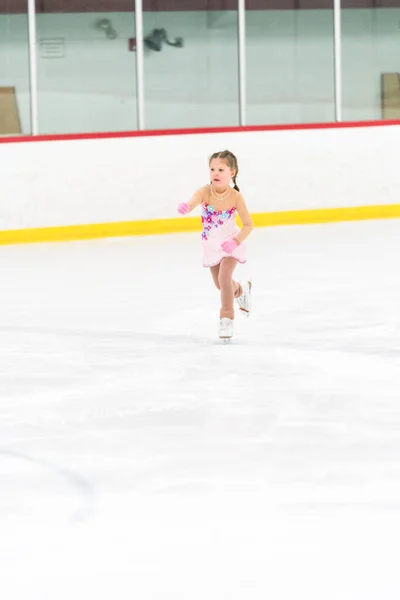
(223,242)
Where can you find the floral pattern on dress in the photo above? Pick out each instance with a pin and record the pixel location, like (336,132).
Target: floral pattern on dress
(212,218)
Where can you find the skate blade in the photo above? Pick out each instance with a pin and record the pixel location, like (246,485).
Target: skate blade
(225,340)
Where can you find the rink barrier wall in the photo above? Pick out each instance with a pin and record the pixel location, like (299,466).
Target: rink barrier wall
(87,186)
(192,224)
(15,139)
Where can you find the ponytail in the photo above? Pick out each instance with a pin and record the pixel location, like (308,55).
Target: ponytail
(235,185)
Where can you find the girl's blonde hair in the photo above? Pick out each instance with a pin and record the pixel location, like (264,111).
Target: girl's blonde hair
(232,162)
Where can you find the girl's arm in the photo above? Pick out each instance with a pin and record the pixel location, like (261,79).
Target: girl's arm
(186,207)
(196,199)
(245,218)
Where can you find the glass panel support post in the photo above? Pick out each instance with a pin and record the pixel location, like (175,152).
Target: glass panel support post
(242,61)
(32,41)
(139,64)
(337,52)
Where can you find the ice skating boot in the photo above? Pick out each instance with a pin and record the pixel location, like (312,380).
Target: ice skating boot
(226,329)
(244,301)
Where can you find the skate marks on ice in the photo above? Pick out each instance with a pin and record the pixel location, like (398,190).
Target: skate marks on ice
(36,482)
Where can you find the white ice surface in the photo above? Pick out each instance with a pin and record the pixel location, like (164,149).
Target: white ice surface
(141,459)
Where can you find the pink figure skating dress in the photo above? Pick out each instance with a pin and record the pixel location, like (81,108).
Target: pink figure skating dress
(218,219)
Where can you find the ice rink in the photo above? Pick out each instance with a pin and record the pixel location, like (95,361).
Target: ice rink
(140,458)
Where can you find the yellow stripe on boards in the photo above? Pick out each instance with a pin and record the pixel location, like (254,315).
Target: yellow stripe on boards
(188,224)
(326,215)
(99,230)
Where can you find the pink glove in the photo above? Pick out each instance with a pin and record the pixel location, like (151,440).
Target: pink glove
(229,246)
(183,208)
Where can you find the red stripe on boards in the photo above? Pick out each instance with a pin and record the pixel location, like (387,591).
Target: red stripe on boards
(193,131)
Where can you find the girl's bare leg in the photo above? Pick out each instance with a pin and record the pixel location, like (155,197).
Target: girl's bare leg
(215,274)
(230,288)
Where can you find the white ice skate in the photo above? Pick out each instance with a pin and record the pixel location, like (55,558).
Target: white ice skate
(244,301)
(226,329)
